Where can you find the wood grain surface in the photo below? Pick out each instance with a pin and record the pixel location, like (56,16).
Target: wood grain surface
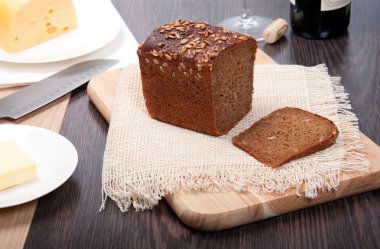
(69,217)
(218,211)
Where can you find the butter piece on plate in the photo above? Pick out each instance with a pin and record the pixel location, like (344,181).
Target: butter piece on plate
(26,23)
(16,166)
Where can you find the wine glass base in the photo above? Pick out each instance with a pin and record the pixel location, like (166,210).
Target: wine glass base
(253,25)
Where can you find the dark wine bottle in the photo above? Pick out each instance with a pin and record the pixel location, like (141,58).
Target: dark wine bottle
(320,19)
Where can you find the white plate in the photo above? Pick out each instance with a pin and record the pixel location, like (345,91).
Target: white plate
(98,24)
(55,157)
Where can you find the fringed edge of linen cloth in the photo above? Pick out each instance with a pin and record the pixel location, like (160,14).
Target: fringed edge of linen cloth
(323,173)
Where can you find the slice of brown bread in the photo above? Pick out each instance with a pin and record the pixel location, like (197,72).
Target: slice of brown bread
(286,134)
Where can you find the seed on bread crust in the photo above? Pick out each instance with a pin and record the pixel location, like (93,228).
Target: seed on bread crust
(184,41)
(183,50)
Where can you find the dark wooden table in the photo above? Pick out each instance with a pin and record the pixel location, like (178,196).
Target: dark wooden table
(70,217)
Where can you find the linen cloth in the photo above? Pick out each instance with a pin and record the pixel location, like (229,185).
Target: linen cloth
(146,159)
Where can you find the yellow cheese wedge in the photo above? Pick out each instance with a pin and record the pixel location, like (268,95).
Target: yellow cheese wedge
(16,166)
(26,23)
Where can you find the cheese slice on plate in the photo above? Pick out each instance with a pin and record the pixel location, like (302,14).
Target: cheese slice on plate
(16,166)
(26,23)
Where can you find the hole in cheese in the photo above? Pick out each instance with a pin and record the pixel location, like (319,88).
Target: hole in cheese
(48,24)
(51,10)
(51,30)
(15,39)
(66,28)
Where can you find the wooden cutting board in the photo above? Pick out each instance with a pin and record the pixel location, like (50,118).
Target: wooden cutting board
(217,211)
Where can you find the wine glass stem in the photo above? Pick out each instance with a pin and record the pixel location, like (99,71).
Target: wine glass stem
(245,12)
(245,4)
(246,19)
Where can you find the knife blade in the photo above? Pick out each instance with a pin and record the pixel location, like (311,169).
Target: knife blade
(43,92)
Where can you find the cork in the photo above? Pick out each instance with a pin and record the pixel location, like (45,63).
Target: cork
(275,30)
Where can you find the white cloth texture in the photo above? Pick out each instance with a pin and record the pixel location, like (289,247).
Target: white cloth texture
(146,159)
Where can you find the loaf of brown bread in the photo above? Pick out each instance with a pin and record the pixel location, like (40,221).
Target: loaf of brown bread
(286,134)
(197,76)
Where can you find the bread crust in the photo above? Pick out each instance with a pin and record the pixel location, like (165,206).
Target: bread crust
(328,139)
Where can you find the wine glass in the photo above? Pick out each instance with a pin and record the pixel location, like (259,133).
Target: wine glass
(247,24)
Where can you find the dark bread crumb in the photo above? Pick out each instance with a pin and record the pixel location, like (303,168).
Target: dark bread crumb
(286,134)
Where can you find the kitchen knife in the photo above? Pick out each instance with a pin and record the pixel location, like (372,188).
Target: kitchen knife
(43,92)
